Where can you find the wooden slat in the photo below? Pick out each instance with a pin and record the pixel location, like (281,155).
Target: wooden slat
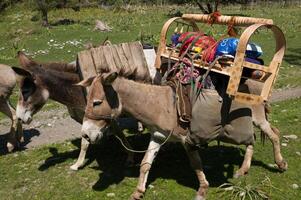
(125,68)
(100,61)
(108,53)
(256,66)
(86,65)
(139,59)
(238,21)
(128,55)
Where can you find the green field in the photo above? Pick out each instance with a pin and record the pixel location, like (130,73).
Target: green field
(43,173)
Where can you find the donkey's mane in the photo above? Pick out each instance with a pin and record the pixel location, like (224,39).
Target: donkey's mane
(60,66)
(58,75)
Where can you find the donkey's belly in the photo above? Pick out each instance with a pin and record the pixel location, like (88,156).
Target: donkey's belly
(226,120)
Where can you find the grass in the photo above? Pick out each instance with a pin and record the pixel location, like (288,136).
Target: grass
(43,173)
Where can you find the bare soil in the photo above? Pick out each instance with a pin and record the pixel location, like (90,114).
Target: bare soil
(56,126)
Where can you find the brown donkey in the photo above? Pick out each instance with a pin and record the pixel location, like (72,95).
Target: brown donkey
(154,106)
(7,84)
(56,81)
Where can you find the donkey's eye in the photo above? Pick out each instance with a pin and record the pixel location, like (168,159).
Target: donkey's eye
(97,102)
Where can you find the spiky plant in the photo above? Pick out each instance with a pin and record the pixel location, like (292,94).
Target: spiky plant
(244,190)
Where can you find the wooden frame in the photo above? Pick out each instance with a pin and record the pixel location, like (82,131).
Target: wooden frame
(235,70)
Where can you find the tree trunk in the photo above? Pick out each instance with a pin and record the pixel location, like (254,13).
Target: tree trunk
(45,18)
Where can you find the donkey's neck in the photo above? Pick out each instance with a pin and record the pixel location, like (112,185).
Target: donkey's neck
(152,105)
(62,89)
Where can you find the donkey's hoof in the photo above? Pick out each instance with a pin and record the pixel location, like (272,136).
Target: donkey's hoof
(238,174)
(137,195)
(74,167)
(199,197)
(282,165)
(10,147)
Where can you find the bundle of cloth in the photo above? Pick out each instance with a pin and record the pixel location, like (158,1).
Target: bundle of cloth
(208,48)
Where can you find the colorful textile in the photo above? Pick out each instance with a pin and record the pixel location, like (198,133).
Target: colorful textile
(206,45)
(228,46)
(185,72)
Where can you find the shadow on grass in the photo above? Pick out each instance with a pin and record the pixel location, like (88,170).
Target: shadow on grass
(63,22)
(28,134)
(293,56)
(171,162)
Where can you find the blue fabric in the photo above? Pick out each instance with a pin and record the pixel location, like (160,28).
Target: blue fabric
(228,46)
(175,39)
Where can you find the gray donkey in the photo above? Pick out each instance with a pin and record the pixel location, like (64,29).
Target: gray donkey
(7,84)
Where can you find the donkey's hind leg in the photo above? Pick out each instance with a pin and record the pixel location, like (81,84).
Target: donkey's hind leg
(196,164)
(246,163)
(10,112)
(260,120)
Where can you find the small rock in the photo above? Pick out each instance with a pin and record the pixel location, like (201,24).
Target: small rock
(293,137)
(284,144)
(298,153)
(272,165)
(151,186)
(295,186)
(101,26)
(49,124)
(111,194)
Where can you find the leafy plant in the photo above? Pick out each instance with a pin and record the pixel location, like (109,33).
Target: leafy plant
(244,190)
(148,38)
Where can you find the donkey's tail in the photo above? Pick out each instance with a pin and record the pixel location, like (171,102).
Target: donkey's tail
(267,110)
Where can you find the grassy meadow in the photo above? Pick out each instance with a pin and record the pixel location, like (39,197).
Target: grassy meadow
(43,173)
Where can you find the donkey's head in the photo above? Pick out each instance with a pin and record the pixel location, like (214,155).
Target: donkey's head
(33,93)
(103,106)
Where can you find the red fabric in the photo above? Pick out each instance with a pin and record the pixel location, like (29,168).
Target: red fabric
(207,43)
(213,17)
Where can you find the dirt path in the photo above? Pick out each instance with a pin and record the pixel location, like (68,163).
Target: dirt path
(56,126)
(284,94)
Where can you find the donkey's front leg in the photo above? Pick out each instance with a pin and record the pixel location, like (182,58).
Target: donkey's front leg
(196,164)
(81,158)
(5,107)
(146,163)
(246,163)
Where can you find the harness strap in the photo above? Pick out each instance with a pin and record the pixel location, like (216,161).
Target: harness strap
(99,117)
(143,151)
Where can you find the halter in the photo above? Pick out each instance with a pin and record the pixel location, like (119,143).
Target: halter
(110,117)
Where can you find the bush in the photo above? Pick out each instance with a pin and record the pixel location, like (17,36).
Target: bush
(5,3)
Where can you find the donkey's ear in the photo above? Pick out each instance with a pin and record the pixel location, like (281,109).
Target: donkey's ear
(108,78)
(25,61)
(86,82)
(22,72)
